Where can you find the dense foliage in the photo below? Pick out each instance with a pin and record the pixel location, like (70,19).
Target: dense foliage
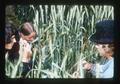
(62,40)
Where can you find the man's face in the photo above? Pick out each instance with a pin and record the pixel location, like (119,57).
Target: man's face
(105,50)
(28,38)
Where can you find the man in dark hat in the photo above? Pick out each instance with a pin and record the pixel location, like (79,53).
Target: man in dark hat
(103,39)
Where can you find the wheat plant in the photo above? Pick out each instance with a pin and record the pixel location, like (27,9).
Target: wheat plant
(62,40)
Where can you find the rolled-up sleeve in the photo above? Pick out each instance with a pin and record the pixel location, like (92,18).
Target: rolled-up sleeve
(105,71)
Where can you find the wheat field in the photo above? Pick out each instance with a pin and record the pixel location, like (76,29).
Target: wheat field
(62,39)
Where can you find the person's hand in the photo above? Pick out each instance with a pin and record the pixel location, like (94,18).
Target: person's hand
(27,47)
(86,65)
(26,51)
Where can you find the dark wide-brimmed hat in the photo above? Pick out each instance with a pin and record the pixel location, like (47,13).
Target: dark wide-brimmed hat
(104,32)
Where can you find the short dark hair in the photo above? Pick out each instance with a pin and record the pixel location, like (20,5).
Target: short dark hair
(27,28)
(10,30)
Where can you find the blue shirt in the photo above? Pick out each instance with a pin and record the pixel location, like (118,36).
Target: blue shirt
(106,70)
